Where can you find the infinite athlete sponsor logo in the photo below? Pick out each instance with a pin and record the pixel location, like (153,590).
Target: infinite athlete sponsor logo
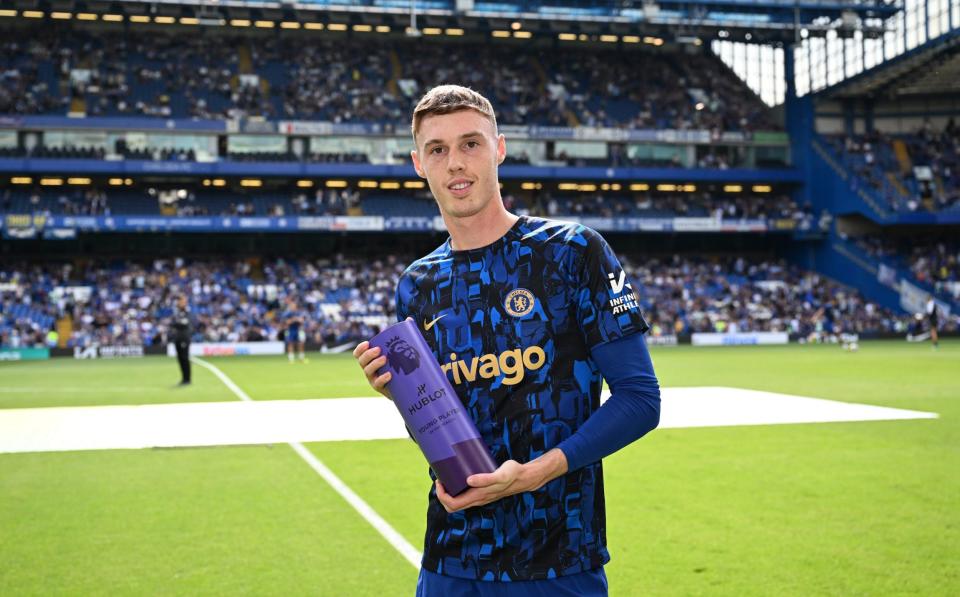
(519,302)
(512,364)
(627,302)
(107,352)
(401,356)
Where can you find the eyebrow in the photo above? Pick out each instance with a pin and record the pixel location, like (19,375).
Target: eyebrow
(463,136)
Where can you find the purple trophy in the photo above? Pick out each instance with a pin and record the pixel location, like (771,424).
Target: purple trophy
(434,415)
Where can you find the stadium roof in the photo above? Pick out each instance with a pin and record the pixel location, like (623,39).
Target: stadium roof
(757,21)
(930,69)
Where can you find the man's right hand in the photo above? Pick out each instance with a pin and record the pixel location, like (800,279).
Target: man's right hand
(371,361)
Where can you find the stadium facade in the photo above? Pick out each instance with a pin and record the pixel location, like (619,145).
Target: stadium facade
(766,167)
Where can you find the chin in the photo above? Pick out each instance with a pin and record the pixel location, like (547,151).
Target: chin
(463,208)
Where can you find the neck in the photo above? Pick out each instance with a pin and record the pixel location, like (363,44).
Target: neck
(480,229)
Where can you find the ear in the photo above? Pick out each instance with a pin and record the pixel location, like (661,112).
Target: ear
(501,149)
(416,164)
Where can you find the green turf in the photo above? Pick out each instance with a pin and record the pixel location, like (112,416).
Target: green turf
(275,378)
(210,521)
(69,382)
(868,508)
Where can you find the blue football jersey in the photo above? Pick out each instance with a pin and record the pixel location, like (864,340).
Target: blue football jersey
(512,325)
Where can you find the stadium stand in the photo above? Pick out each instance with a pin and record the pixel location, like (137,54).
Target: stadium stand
(61,69)
(125,302)
(931,262)
(188,200)
(918,172)
(585,124)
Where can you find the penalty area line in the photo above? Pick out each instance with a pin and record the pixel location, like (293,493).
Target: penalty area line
(395,539)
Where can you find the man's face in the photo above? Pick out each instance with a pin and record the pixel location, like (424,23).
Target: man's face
(458,154)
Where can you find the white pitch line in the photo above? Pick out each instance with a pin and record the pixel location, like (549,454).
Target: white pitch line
(408,551)
(223,377)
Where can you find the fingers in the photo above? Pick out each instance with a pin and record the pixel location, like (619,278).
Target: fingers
(368,355)
(468,499)
(380,384)
(482,479)
(371,362)
(359,350)
(371,368)
(448,502)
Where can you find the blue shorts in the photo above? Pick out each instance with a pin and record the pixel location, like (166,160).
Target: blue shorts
(592,583)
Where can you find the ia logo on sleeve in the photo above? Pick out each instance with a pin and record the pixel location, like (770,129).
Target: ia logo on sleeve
(627,302)
(617,284)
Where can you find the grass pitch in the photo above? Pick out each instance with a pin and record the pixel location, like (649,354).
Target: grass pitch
(830,509)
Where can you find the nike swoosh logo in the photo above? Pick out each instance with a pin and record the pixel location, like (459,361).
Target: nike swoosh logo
(427,326)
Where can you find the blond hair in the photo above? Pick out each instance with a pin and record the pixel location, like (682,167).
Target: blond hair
(447,99)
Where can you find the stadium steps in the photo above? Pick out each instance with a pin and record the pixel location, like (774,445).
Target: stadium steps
(396,72)
(541,75)
(78,105)
(245,60)
(903,155)
(938,185)
(65,330)
(569,114)
(897,184)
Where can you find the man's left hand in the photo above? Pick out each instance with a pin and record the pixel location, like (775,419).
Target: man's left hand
(510,478)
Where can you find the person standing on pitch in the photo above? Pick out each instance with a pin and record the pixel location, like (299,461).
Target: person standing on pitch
(933,316)
(527,317)
(295,335)
(182,329)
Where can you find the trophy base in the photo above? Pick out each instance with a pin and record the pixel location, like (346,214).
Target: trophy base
(470,457)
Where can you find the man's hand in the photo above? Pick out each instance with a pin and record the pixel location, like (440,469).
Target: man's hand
(371,361)
(511,478)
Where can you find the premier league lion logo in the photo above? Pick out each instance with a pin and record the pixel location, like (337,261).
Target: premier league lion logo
(401,356)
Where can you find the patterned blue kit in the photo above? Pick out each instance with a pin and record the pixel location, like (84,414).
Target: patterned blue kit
(512,325)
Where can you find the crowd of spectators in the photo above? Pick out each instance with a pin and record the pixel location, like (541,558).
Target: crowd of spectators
(179,202)
(347,299)
(56,69)
(333,80)
(351,201)
(931,181)
(931,262)
(127,303)
(653,91)
(24,88)
(700,204)
(683,294)
(940,151)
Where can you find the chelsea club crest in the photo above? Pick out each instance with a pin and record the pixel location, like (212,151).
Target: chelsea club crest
(519,302)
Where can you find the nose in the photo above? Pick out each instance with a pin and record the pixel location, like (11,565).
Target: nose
(455,161)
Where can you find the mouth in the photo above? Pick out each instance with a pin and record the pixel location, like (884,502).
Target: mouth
(459,188)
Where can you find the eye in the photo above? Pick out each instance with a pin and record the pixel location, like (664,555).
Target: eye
(473,144)
(436,150)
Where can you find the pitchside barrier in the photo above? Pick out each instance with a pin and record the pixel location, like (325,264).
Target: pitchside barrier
(740,339)
(217,349)
(24,354)
(229,349)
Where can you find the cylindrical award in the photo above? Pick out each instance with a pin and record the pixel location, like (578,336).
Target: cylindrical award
(436,418)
